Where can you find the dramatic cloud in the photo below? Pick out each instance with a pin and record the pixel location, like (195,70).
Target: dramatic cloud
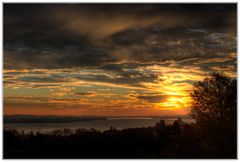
(114,58)
(57,36)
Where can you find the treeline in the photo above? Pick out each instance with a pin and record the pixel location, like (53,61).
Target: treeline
(179,140)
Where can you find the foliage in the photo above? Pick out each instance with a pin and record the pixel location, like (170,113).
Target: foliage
(160,141)
(214,99)
(179,140)
(214,107)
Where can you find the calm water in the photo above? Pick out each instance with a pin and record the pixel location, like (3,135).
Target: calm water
(102,125)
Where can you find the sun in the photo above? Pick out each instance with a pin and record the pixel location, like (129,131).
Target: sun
(178,101)
(175,102)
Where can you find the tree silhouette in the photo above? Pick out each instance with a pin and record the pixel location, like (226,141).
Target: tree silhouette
(214,99)
(214,107)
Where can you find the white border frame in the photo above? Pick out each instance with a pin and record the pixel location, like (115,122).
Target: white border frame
(109,1)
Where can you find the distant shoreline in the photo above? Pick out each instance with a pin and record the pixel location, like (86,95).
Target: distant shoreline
(67,119)
(47,119)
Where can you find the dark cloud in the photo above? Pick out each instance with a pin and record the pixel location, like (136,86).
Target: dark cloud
(40,79)
(48,78)
(56,36)
(130,78)
(185,81)
(113,67)
(113,45)
(56,58)
(179,44)
(86,94)
(153,98)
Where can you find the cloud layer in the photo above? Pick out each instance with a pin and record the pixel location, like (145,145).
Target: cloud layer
(114,57)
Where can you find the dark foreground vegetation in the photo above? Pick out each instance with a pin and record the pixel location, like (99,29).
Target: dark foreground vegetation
(213,135)
(162,141)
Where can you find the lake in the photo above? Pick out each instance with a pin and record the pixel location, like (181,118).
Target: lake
(102,125)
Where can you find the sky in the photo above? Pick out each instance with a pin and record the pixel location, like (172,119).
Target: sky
(113,59)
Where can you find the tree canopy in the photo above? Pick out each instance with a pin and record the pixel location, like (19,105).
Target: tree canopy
(214,99)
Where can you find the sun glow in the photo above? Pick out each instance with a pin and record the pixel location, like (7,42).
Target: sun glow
(175,102)
(178,101)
